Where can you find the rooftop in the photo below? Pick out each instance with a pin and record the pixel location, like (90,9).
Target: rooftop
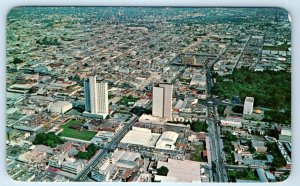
(181,171)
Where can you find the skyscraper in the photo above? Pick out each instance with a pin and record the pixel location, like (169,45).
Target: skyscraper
(162,100)
(248,105)
(96,96)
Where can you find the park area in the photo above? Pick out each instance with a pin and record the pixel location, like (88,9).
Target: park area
(128,100)
(74,129)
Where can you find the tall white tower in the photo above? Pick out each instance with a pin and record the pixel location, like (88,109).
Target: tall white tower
(93,94)
(248,105)
(102,97)
(96,96)
(162,101)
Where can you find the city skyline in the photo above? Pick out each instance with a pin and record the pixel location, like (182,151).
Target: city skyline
(148,94)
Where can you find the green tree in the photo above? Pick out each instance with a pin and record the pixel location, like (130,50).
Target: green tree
(49,139)
(17,60)
(163,171)
(229,136)
(278,160)
(199,126)
(83,155)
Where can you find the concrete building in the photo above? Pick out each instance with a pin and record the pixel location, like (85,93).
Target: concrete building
(248,105)
(60,107)
(108,167)
(286,131)
(103,137)
(72,166)
(126,159)
(162,101)
(235,123)
(66,163)
(167,140)
(96,96)
(259,146)
(103,169)
(152,119)
(141,136)
(180,171)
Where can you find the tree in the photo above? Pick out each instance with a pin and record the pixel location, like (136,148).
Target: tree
(229,136)
(92,148)
(263,86)
(227,148)
(278,160)
(199,126)
(90,151)
(17,60)
(163,171)
(83,155)
(51,143)
(252,150)
(49,139)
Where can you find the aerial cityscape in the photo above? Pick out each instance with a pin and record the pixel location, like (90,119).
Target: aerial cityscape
(148,94)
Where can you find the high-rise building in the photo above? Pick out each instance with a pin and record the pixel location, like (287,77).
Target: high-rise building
(162,100)
(248,105)
(96,96)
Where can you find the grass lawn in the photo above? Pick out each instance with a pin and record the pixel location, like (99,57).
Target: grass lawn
(128,100)
(77,134)
(196,156)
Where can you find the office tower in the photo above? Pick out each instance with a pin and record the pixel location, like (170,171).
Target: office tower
(162,101)
(96,96)
(248,105)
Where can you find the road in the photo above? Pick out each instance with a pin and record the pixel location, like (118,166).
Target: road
(216,148)
(219,172)
(101,153)
(238,60)
(214,134)
(241,167)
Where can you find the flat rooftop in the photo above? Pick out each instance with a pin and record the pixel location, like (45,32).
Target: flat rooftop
(141,136)
(182,171)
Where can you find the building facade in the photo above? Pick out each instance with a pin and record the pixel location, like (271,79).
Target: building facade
(162,101)
(96,96)
(248,105)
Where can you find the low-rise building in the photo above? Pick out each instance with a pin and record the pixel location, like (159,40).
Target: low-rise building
(180,171)
(141,136)
(60,107)
(235,123)
(167,140)
(259,146)
(103,137)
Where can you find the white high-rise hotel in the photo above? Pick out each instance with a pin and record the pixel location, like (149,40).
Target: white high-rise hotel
(96,96)
(162,100)
(248,105)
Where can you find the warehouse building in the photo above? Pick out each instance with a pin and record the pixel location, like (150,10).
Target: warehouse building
(60,107)
(180,171)
(141,136)
(167,140)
